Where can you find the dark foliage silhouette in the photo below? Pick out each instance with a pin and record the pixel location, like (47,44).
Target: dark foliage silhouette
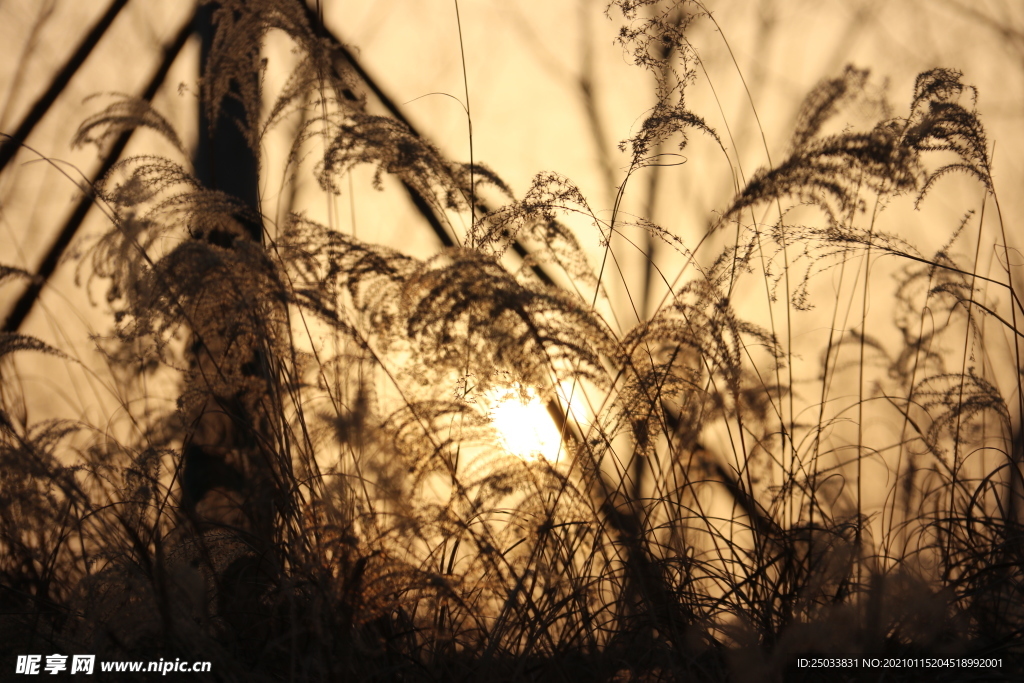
(324,492)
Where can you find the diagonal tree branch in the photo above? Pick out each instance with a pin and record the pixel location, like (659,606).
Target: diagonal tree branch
(49,263)
(11,145)
(421,204)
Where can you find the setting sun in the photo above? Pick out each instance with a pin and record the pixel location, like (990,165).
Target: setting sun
(524,425)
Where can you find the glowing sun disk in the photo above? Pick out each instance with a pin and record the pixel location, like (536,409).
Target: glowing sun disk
(525,427)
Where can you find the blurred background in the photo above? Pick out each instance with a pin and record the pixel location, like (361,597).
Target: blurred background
(549,89)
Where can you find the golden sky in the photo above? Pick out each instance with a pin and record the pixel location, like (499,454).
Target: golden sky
(525,62)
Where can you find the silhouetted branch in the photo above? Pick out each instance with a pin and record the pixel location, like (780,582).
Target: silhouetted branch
(11,145)
(421,204)
(49,263)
